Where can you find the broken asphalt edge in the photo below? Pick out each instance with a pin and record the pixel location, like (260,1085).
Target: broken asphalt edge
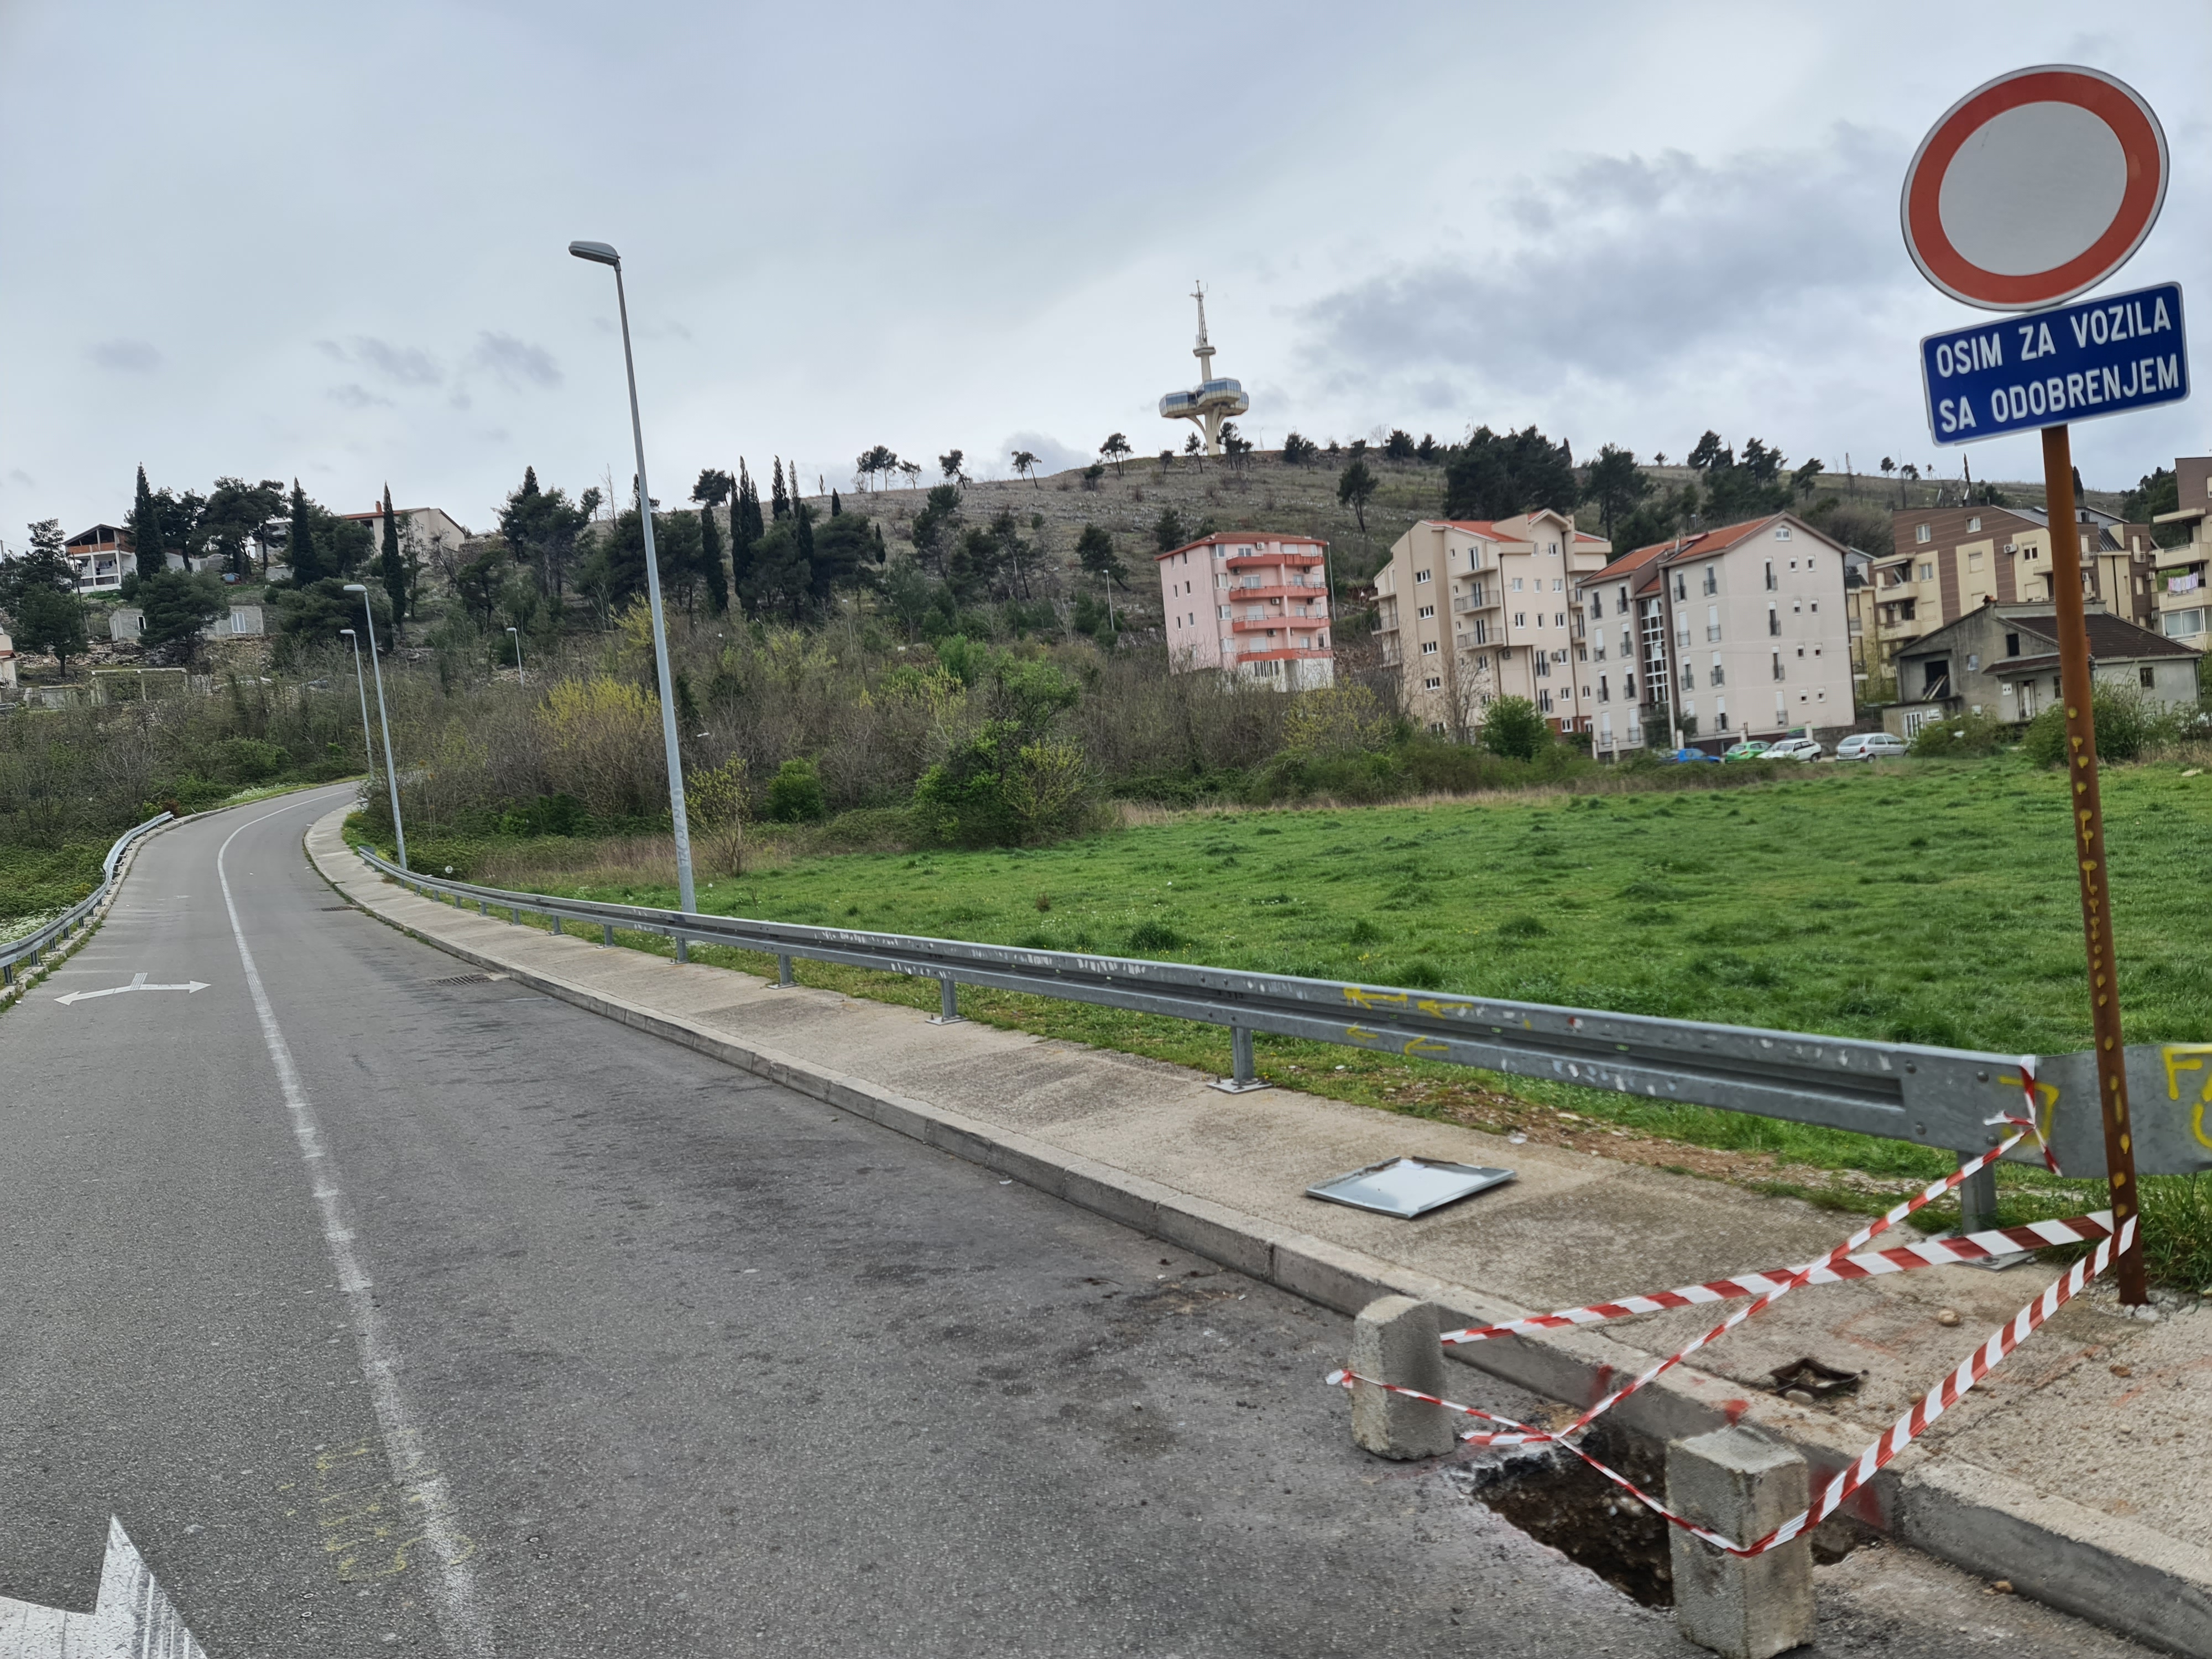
(2120,1573)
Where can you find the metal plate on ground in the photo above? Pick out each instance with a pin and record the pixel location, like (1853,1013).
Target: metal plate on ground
(1407,1187)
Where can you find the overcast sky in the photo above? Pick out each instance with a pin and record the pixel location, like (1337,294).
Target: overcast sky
(328,241)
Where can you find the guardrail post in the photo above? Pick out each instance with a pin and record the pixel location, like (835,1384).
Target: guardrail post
(1742,1485)
(606,932)
(514,915)
(783,978)
(1243,1074)
(948,1004)
(1978,1197)
(683,948)
(555,920)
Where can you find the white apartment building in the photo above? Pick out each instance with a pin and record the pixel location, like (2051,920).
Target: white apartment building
(1471,610)
(1738,632)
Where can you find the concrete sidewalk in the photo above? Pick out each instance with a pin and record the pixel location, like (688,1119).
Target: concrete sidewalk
(2071,1472)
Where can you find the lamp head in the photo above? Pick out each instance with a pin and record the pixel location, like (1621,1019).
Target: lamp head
(346,633)
(515,630)
(598,252)
(355,587)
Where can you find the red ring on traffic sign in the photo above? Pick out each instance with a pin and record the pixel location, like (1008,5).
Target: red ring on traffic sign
(2141,140)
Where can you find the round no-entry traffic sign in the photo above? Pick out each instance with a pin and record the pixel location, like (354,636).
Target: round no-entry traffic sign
(2033,187)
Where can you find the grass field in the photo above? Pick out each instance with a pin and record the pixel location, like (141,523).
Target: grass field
(1923,902)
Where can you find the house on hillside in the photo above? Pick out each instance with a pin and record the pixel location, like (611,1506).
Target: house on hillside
(2003,662)
(1736,632)
(1249,603)
(7,662)
(1471,610)
(421,528)
(99,558)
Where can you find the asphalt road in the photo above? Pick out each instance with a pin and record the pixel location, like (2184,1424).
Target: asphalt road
(399,1317)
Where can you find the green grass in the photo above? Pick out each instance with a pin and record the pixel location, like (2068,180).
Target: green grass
(1927,901)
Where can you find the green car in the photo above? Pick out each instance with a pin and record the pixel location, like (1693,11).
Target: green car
(1751,749)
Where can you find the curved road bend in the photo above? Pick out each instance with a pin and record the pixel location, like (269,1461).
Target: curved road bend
(395,1315)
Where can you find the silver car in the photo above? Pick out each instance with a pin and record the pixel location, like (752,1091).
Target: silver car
(1796,749)
(1871,746)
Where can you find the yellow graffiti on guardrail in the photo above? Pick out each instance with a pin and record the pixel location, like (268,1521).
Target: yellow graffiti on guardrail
(2197,1058)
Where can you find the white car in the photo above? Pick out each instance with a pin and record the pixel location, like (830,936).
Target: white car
(1796,749)
(1871,746)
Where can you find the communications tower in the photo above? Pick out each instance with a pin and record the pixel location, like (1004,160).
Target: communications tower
(1213,401)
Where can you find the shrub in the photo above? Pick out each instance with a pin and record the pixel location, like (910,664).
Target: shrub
(2127,726)
(249,759)
(1514,727)
(794,793)
(1338,719)
(1959,738)
(603,736)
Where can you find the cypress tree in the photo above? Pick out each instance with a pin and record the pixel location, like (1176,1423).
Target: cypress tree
(710,559)
(781,500)
(146,529)
(835,508)
(299,544)
(391,566)
(745,528)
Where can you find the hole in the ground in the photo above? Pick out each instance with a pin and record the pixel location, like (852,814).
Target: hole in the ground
(1557,1499)
(1560,1500)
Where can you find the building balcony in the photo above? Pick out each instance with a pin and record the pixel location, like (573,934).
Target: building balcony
(1302,592)
(1276,624)
(1258,560)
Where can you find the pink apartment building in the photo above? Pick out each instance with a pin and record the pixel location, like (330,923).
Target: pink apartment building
(1251,603)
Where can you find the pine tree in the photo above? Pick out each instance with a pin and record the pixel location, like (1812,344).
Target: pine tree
(146,528)
(710,559)
(299,544)
(390,567)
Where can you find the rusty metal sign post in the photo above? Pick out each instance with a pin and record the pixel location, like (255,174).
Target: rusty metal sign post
(2032,189)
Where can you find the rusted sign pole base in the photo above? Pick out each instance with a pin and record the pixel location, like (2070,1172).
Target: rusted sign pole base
(2090,864)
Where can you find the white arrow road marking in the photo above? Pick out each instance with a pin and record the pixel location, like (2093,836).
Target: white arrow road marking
(137,983)
(133,1616)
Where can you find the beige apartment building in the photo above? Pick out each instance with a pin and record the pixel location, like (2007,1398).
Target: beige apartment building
(1470,610)
(2182,606)
(1945,562)
(1737,632)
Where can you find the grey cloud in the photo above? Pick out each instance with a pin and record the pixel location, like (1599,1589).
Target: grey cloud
(515,361)
(1629,267)
(353,395)
(401,364)
(17,476)
(130,357)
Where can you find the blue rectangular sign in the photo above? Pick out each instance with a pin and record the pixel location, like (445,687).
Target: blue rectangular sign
(2023,372)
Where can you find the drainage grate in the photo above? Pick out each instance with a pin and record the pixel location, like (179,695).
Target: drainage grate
(468,979)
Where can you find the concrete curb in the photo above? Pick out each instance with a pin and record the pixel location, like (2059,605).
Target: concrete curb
(2118,1573)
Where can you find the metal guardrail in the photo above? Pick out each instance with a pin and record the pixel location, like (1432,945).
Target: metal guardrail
(32,949)
(1939,1097)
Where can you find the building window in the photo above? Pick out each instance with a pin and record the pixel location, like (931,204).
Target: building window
(1921,533)
(1420,576)
(1713,578)
(1559,619)
(1712,622)
(1777,665)
(1927,573)
(1559,584)
(1520,619)
(1433,683)
(1773,619)
(2148,677)
(1428,610)
(1620,602)
(1770,575)
(1782,532)
(1604,690)
(1517,584)
(1681,585)
(1720,677)
(1428,647)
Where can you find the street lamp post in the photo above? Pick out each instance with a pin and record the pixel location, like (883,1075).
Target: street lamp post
(600,253)
(360,684)
(522,675)
(383,719)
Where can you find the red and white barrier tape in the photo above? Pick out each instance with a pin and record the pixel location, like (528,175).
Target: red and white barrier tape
(1877,1456)
(1903,1258)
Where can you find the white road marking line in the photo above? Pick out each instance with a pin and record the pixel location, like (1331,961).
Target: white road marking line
(454,1583)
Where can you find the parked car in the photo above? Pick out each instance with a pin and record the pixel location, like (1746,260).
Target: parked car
(1689,756)
(1749,749)
(1796,749)
(1871,746)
